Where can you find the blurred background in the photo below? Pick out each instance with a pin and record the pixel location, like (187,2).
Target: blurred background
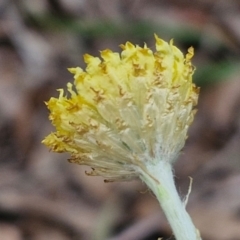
(44,197)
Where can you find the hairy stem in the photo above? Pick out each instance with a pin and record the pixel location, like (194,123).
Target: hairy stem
(160,180)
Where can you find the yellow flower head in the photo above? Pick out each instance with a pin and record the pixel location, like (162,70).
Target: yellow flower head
(125,111)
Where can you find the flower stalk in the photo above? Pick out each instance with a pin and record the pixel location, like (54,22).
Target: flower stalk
(159,179)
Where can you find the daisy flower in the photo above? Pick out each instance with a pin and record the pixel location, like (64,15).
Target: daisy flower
(126,116)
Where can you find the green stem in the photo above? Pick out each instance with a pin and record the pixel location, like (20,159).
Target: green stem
(160,180)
